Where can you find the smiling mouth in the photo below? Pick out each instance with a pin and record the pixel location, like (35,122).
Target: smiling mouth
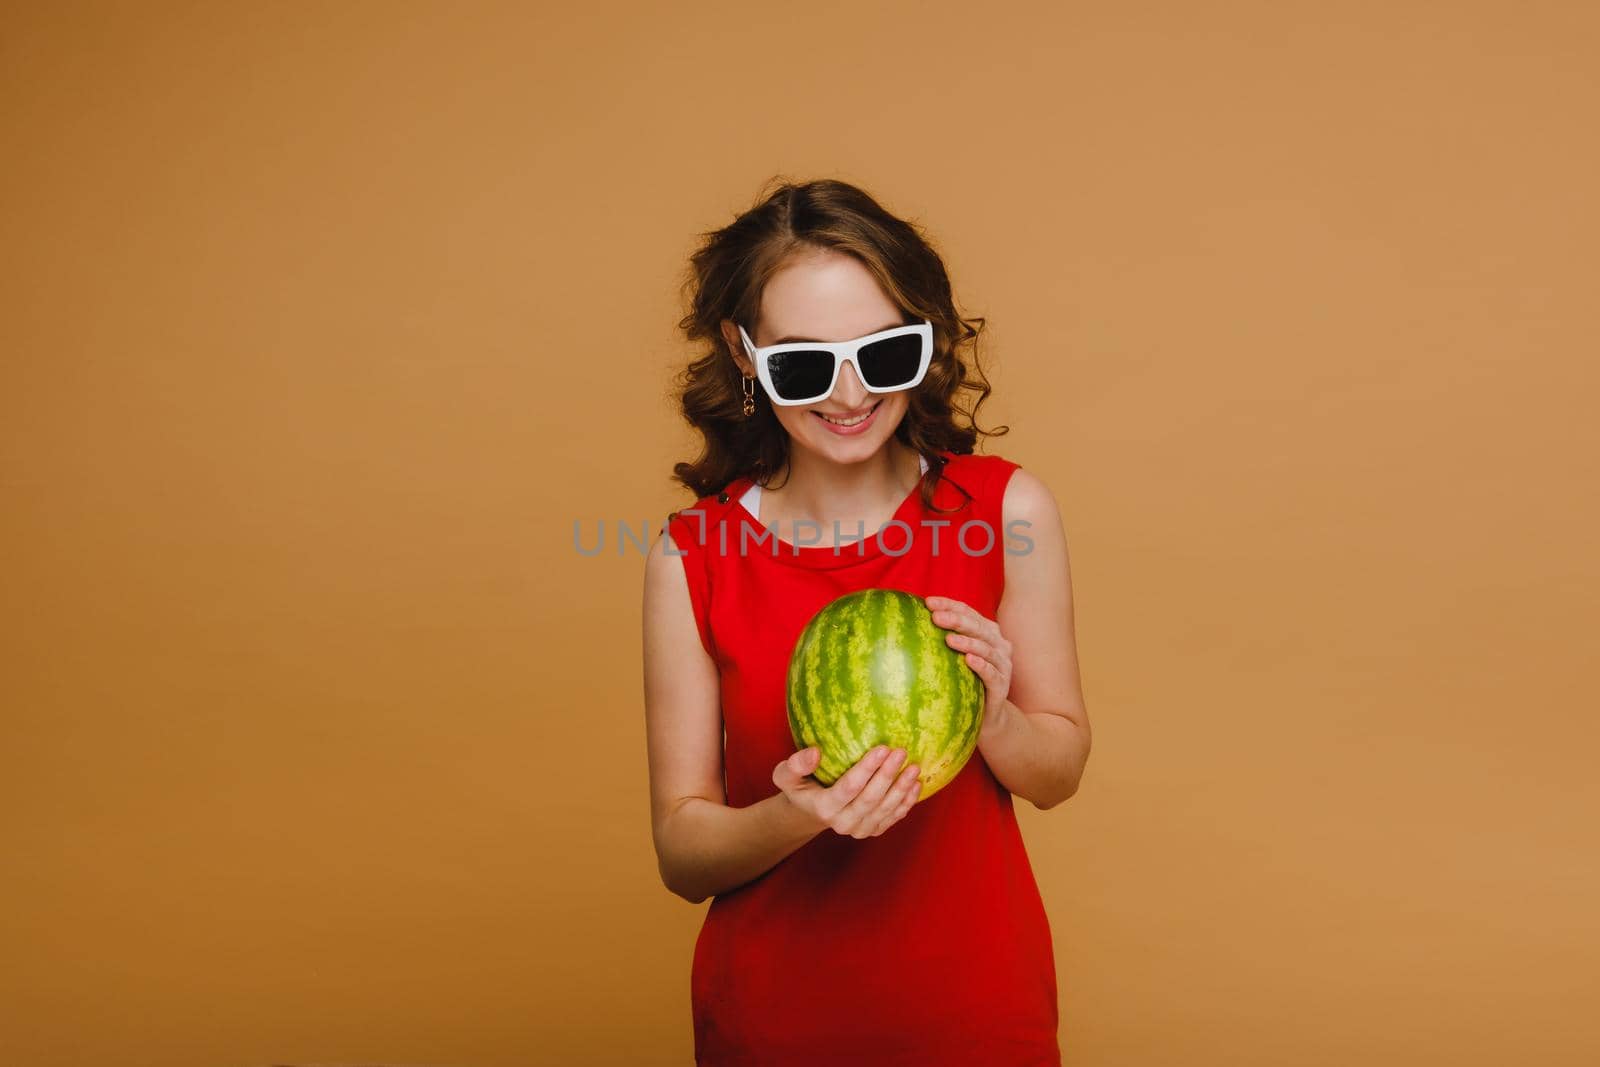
(848,422)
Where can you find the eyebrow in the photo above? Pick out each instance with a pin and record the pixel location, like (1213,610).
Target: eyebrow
(820,341)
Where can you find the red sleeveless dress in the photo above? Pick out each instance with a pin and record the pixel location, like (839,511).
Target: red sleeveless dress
(925,945)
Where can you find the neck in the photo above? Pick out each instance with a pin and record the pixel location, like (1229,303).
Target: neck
(826,492)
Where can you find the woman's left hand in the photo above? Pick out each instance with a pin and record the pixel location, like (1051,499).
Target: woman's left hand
(988,653)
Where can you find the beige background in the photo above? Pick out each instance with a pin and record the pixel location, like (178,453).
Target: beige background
(323,324)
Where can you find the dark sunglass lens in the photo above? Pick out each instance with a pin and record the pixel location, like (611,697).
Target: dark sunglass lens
(892,361)
(801,375)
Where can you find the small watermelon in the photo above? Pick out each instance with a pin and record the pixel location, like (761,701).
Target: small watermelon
(873,668)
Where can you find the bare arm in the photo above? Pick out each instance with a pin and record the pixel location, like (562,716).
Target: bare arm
(1038,745)
(703,847)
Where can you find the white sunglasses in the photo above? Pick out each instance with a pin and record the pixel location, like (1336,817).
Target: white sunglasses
(803,372)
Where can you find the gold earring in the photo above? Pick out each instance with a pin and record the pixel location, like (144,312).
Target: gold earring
(749,396)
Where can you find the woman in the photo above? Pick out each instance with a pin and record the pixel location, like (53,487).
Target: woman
(851,923)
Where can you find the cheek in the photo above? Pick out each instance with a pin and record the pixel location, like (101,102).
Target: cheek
(895,406)
(794,420)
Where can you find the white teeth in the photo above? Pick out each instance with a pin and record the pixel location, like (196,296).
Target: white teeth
(846,422)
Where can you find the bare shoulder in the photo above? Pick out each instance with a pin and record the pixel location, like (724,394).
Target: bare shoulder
(662,567)
(1029,500)
(664,548)
(670,621)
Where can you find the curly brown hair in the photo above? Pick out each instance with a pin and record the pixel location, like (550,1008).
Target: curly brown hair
(726,275)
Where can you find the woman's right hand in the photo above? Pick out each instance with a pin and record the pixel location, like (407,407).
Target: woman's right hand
(862,802)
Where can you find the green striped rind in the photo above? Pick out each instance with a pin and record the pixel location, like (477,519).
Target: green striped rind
(873,668)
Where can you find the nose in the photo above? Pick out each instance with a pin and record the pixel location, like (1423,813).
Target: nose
(848,392)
